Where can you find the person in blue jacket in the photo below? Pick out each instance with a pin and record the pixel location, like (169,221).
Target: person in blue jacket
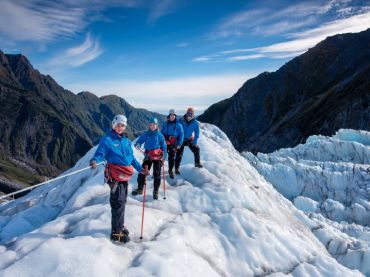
(116,149)
(191,135)
(174,136)
(155,155)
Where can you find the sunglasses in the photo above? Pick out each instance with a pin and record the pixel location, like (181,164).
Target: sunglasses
(189,114)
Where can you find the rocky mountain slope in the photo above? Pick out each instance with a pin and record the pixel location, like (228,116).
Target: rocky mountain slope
(44,128)
(318,92)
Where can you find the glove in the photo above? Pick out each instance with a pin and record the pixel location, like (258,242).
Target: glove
(145,172)
(93,164)
(178,147)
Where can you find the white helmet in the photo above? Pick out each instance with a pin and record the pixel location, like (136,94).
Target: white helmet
(119,119)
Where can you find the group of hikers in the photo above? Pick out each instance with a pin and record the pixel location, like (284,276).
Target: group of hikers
(116,149)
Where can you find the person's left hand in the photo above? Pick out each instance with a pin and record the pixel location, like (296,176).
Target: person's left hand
(145,172)
(93,164)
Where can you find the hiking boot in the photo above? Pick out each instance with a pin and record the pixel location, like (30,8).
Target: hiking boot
(170,172)
(137,192)
(119,238)
(177,170)
(155,195)
(199,165)
(125,231)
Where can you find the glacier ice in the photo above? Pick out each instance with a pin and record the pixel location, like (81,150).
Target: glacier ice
(328,178)
(222,220)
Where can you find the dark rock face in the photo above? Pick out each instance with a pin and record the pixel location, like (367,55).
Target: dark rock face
(319,92)
(44,128)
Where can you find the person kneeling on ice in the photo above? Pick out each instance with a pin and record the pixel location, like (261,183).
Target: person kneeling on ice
(174,136)
(116,149)
(155,154)
(190,125)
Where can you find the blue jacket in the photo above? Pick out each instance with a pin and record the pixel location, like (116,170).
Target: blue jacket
(153,140)
(173,129)
(117,150)
(190,127)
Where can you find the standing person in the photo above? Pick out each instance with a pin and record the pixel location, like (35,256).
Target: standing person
(191,136)
(155,154)
(116,149)
(174,136)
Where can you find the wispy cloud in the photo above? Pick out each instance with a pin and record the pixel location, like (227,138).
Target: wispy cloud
(162,94)
(45,21)
(182,44)
(194,87)
(245,57)
(298,43)
(277,20)
(28,21)
(304,40)
(203,59)
(76,56)
(161,8)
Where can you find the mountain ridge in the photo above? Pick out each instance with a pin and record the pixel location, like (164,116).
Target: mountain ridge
(48,128)
(320,91)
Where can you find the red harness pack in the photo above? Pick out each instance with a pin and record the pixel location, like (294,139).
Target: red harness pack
(155,154)
(119,172)
(170,140)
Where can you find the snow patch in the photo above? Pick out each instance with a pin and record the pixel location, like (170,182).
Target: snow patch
(221,220)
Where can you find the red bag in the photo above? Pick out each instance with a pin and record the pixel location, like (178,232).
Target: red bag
(119,172)
(170,140)
(155,154)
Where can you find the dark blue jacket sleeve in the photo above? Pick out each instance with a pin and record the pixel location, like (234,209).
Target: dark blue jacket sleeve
(180,134)
(136,164)
(196,131)
(163,146)
(101,152)
(163,129)
(140,140)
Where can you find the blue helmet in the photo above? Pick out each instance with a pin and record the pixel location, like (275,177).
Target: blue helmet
(153,120)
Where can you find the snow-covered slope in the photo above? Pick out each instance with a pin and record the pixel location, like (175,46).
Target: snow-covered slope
(328,178)
(222,220)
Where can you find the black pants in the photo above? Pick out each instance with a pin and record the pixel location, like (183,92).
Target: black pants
(171,150)
(118,198)
(180,152)
(157,166)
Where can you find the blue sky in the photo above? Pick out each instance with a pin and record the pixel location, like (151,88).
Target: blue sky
(169,53)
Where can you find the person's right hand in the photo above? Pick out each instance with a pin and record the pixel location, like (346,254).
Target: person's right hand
(93,164)
(145,172)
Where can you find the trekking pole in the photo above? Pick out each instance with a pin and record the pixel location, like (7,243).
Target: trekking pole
(164,183)
(142,213)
